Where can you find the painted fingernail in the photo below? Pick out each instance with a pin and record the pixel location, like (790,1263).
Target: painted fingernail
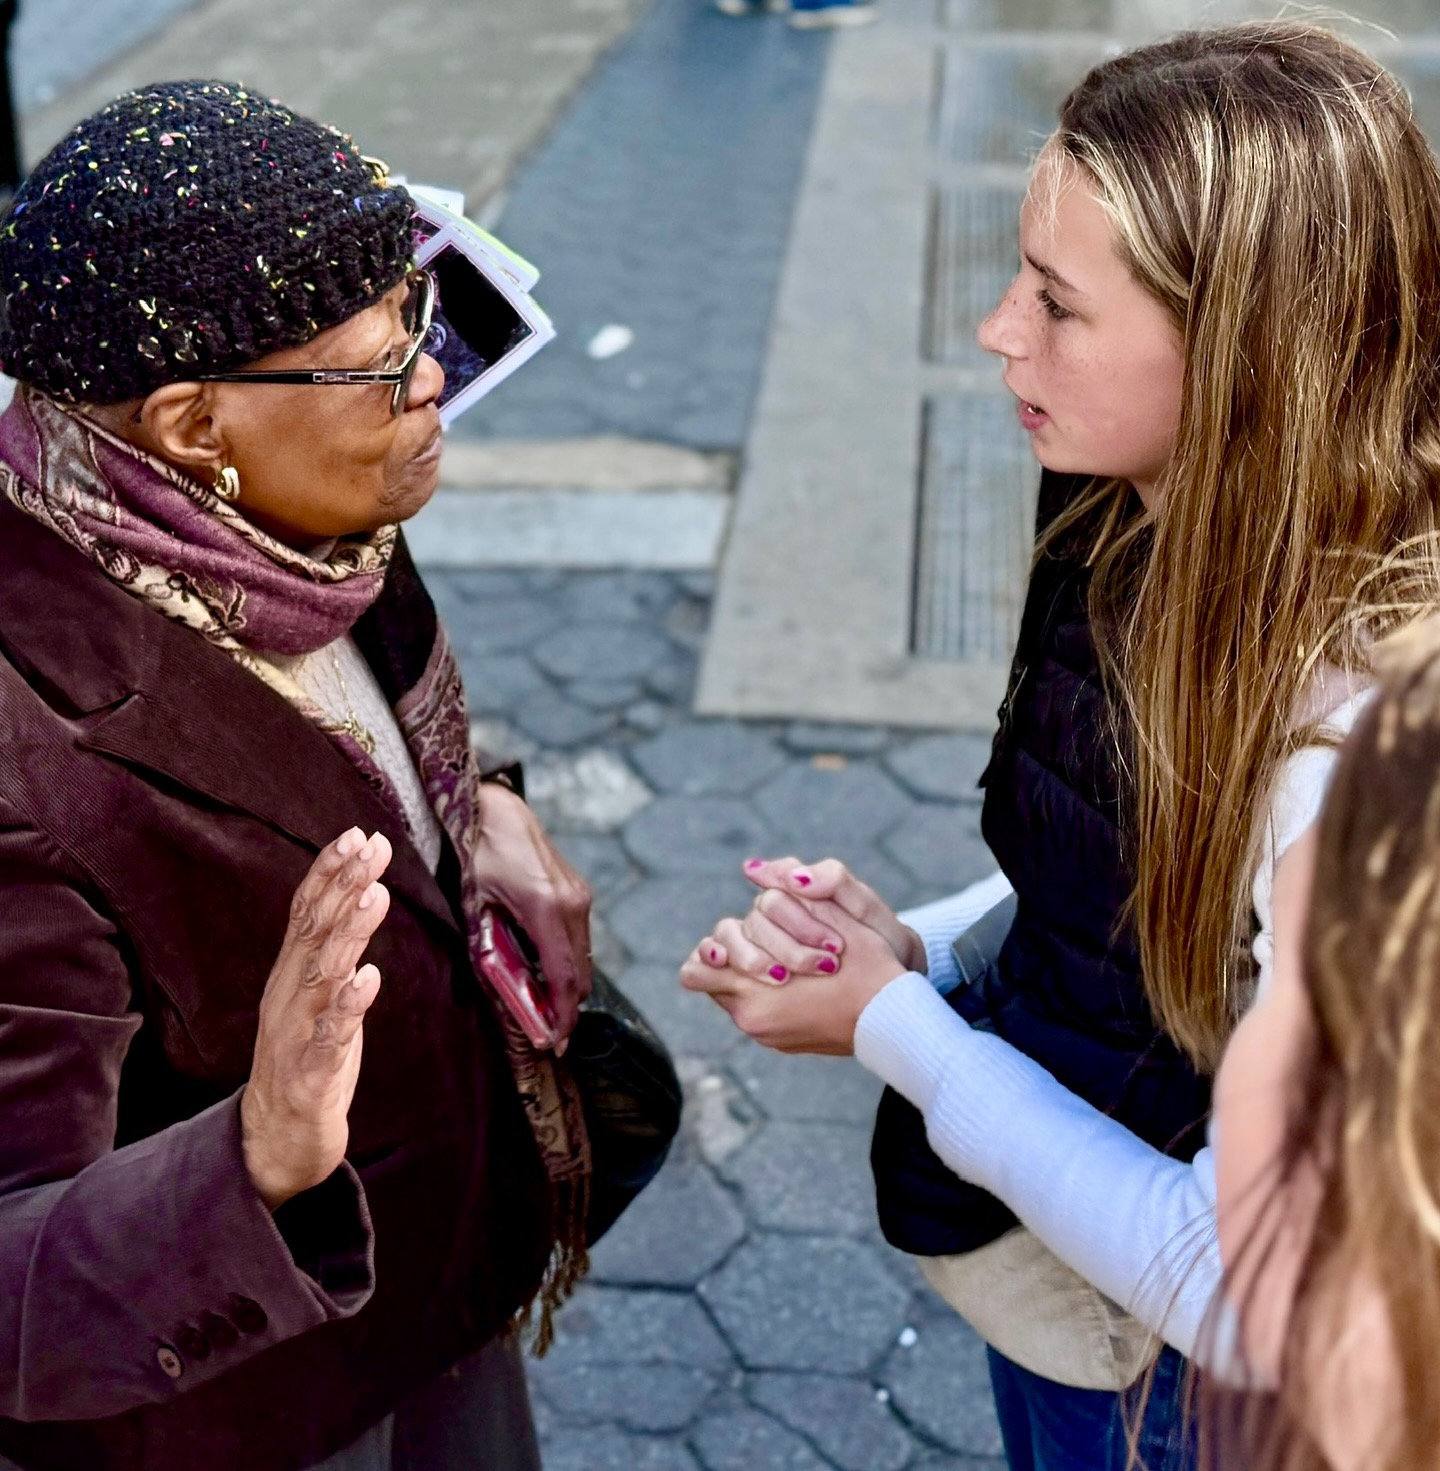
(828,966)
(751,864)
(714,956)
(778,972)
(349,842)
(831,946)
(803,879)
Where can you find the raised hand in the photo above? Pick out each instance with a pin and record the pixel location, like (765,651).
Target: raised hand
(294,1113)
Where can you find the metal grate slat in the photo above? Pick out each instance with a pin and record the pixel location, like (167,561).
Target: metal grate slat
(977,510)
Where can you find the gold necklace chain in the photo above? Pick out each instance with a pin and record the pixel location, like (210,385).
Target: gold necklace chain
(352,726)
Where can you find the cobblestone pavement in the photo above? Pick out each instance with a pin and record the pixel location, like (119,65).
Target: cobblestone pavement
(745,1313)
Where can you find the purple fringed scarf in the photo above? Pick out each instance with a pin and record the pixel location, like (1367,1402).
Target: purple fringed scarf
(172,542)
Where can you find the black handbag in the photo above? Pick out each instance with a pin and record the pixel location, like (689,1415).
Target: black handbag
(631,1099)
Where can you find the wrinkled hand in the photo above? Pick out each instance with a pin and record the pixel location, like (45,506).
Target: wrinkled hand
(804,1013)
(784,933)
(294,1113)
(516,865)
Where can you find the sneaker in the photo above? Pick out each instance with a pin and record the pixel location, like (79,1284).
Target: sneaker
(834,14)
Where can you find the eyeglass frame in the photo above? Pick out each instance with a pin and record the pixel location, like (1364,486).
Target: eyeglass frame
(344,377)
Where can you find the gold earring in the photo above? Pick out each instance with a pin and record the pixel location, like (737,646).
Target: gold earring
(227,483)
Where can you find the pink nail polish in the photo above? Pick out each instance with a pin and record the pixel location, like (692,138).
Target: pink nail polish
(828,966)
(803,879)
(778,972)
(832,947)
(752,864)
(714,956)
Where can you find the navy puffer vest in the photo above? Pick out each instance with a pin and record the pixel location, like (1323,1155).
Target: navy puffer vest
(1066,988)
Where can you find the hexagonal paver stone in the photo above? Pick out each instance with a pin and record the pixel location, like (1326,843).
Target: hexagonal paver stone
(941,1384)
(601,651)
(600,860)
(707,758)
(698,835)
(746,1440)
(555,720)
(822,1089)
(807,1177)
(664,919)
(604,694)
(496,683)
(677,1230)
(622,1325)
(606,1449)
(840,1416)
(500,625)
(810,737)
(942,767)
(617,597)
(805,1302)
(942,845)
(819,810)
(644,1397)
(689,1022)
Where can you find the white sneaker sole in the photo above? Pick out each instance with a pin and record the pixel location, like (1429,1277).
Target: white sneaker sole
(833,17)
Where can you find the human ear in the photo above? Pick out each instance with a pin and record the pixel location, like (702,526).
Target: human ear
(181,422)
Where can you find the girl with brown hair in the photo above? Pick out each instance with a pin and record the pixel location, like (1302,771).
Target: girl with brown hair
(1328,1154)
(1225,337)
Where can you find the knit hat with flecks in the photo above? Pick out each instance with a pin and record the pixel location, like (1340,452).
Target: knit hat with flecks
(185,228)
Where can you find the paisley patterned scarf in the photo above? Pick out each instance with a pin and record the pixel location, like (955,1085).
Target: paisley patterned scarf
(170,541)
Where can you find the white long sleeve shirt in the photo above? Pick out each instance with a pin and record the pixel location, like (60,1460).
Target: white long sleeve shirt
(1137,1224)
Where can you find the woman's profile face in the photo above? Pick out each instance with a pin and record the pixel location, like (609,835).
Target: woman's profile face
(320,461)
(1094,359)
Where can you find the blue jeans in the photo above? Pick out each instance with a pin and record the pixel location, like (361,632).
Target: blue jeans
(1052,1427)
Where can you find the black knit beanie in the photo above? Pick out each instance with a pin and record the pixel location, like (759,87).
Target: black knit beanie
(185,228)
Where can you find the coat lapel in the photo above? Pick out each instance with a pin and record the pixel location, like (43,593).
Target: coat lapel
(154,694)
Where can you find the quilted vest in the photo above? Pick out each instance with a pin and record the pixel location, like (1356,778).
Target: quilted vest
(1066,987)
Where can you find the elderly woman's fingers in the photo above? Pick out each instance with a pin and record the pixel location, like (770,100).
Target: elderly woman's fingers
(294,1113)
(516,864)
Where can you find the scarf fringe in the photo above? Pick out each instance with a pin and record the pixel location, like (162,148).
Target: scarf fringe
(567,1267)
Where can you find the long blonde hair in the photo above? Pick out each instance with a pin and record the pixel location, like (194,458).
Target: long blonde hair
(1268,184)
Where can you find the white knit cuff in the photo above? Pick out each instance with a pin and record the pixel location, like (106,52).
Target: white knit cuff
(941,922)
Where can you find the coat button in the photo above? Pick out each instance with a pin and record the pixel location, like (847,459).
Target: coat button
(169,1361)
(247,1314)
(220,1331)
(192,1342)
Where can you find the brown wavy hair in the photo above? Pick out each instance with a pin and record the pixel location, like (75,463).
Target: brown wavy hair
(1268,184)
(1369,1109)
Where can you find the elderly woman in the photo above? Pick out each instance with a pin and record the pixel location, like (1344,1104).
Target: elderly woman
(216,661)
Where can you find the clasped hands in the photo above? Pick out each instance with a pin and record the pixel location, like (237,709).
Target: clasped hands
(816,947)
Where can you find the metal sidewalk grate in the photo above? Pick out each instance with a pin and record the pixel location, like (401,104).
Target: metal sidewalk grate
(972,258)
(976,525)
(998,102)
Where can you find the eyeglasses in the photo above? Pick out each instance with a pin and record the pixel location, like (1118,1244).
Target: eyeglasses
(416,313)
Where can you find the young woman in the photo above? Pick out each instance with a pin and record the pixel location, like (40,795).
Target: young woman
(1328,1152)
(1225,340)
